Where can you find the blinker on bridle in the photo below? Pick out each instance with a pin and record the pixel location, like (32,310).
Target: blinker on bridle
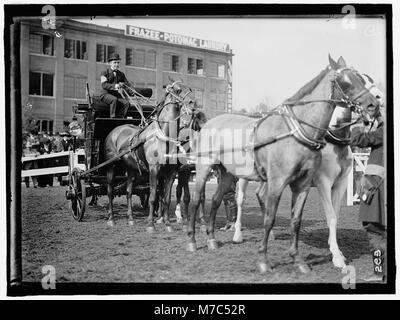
(352,103)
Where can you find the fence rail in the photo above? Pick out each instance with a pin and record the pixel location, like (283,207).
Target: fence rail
(359,164)
(63,157)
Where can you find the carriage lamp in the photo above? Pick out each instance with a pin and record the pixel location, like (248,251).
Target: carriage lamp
(74,127)
(75,130)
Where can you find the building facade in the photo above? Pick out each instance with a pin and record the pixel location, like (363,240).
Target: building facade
(57,64)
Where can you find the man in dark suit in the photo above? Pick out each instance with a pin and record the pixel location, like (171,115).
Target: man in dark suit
(372,206)
(111,81)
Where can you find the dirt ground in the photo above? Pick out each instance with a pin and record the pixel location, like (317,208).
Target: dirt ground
(91,251)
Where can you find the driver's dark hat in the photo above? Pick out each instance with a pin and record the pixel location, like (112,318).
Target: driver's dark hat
(113,56)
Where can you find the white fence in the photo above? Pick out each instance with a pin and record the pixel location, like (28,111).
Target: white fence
(52,169)
(359,165)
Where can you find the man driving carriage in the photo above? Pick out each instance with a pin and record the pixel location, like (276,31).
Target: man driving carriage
(112,81)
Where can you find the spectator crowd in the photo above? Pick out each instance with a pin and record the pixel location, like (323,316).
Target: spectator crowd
(39,143)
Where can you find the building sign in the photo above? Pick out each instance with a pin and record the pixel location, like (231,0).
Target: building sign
(176,39)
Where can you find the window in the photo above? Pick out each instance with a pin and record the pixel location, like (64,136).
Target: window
(75,49)
(74,87)
(221,71)
(42,44)
(217,70)
(175,64)
(103,52)
(141,58)
(138,58)
(195,66)
(218,99)
(45,125)
(129,57)
(171,62)
(151,59)
(221,101)
(41,84)
(198,95)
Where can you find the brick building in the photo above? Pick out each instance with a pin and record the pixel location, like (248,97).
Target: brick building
(57,64)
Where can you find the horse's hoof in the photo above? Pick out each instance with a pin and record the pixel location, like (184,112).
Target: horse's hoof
(212,244)
(271,236)
(184,228)
(169,229)
(179,220)
(339,262)
(150,229)
(237,238)
(264,267)
(191,246)
(130,222)
(159,221)
(111,223)
(304,268)
(203,228)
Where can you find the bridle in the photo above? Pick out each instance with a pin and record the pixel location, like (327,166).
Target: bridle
(181,101)
(177,99)
(295,124)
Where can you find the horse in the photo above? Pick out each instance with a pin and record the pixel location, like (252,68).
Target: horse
(145,149)
(330,178)
(283,148)
(187,134)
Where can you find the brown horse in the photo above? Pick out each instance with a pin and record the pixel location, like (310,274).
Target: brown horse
(149,147)
(282,148)
(187,134)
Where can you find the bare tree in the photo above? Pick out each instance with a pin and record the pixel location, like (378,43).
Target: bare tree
(29,121)
(262,107)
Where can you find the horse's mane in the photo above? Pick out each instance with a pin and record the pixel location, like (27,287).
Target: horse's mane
(199,119)
(309,87)
(160,104)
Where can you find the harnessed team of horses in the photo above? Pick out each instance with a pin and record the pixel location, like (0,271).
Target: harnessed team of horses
(286,147)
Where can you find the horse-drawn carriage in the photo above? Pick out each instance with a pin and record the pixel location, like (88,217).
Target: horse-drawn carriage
(87,167)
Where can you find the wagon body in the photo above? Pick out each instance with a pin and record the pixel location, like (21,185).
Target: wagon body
(87,166)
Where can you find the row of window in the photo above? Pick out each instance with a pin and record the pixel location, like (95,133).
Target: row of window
(48,125)
(45,125)
(41,84)
(76,49)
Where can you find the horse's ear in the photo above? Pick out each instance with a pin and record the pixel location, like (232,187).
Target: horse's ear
(333,63)
(341,63)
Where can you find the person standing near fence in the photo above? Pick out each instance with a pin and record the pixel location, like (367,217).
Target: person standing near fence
(372,195)
(32,164)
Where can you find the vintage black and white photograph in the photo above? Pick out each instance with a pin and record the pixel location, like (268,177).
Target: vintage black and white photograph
(212,149)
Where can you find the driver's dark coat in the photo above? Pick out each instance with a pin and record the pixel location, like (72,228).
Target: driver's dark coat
(112,79)
(375,211)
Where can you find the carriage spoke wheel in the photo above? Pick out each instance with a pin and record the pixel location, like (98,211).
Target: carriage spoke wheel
(78,202)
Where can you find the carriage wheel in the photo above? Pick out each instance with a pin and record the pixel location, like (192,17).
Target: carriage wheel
(78,202)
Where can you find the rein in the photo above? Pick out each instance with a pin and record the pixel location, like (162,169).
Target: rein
(158,133)
(295,124)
